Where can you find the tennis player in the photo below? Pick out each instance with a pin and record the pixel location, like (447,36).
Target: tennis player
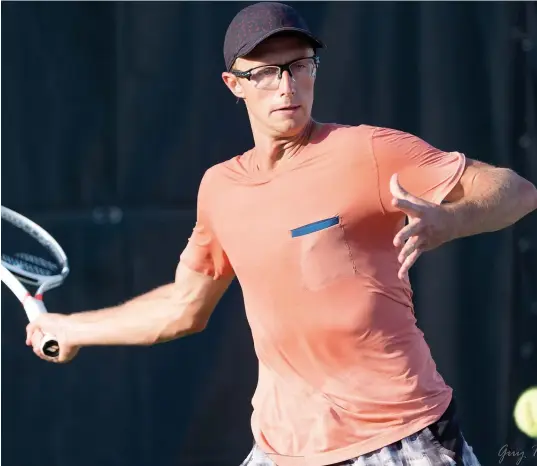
(311,221)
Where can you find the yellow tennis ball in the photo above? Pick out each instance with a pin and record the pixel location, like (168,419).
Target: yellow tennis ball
(525,413)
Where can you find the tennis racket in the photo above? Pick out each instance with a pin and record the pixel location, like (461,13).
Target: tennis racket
(30,255)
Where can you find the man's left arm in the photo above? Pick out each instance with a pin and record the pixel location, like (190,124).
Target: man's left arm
(487,199)
(444,195)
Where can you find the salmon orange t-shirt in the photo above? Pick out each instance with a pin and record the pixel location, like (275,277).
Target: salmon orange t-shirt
(343,368)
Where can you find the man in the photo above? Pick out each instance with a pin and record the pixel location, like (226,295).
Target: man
(312,223)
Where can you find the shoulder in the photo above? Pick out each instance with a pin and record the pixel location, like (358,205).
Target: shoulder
(222,173)
(370,135)
(346,140)
(350,131)
(366,131)
(385,135)
(370,139)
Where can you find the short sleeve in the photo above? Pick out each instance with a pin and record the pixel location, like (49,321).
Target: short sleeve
(203,252)
(424,171)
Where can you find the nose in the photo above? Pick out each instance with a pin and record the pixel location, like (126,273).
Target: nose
(287,84)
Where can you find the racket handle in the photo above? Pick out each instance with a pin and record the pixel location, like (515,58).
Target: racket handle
(34,307)
(50,346)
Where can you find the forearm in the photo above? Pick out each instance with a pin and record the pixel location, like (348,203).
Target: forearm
(162,292)
(497,199)
(147,319)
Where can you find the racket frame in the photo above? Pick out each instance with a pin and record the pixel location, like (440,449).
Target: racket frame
(43,282)
(12,276)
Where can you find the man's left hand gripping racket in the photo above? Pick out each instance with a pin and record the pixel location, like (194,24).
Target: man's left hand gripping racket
(32,256)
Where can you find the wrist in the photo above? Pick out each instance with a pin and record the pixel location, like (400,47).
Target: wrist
(452,221)
(74,330)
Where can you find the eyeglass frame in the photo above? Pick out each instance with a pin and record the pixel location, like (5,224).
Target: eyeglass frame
(285,67)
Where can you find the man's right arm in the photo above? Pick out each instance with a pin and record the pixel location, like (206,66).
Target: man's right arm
(166,313)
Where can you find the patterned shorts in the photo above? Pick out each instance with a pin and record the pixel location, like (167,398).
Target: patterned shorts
(420,449)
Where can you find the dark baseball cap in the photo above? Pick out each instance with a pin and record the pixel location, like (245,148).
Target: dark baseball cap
(257,22)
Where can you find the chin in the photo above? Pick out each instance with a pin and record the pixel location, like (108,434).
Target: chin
(291,126)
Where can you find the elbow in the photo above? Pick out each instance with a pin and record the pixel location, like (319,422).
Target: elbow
(196,326)
(186,327)
(175,329)
(533,198)
(528,195)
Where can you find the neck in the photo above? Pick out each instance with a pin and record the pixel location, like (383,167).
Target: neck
(270,151)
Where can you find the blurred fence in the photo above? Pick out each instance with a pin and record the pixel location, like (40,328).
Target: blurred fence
(111,113)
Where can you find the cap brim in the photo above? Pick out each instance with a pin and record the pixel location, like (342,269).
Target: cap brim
(316,41)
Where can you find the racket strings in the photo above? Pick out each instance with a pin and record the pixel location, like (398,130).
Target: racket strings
(30,263)
(24,232)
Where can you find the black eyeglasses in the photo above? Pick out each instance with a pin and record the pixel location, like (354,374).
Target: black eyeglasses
(269,76)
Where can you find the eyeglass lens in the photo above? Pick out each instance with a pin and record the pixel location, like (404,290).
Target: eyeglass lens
(269,76)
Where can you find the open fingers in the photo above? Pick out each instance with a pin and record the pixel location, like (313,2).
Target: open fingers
(395,188)
(410,246)
(409,254)
(408,207)
(399,192)
(409,261)
(412,229)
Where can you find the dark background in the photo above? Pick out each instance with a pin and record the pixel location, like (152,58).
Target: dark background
(111,112)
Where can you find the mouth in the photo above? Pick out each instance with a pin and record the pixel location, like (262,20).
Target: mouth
(287,109)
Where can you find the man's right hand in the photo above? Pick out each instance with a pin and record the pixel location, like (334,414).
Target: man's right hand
(56,325)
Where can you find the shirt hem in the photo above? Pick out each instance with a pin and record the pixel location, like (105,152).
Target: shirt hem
(362,448)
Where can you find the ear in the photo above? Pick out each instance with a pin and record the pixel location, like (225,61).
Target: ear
(233,84)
